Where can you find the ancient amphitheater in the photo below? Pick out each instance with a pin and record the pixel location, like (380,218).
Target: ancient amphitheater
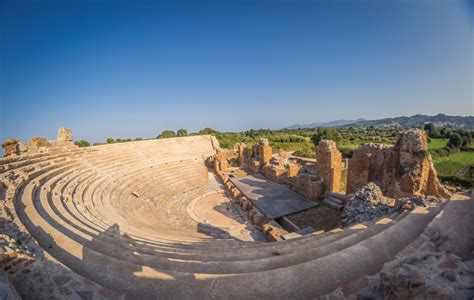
(182,218)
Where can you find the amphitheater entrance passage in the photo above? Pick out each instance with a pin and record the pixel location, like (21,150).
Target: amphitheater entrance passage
(273,200)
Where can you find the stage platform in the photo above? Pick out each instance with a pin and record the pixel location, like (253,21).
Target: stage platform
(272,199)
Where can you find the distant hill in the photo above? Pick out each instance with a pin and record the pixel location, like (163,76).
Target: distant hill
(440,120)
(325,124)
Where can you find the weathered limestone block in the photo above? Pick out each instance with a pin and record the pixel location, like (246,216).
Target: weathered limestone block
(329,165)
(266,155)
(21,147)
(293,169)
(34,144)
(9,147)
(64,135)
(273,232)
(276,173)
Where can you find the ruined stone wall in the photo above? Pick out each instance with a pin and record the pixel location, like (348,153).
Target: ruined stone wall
(13,147)
(257,158)
(223,158)
(9,147)
(35,144)
(367,165)
(405,169)
(244,154)
(329,165)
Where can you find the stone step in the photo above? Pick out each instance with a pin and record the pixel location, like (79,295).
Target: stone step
(334,203)
(339,196)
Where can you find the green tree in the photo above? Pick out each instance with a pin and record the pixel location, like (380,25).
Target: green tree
(325,134)
(82,143)
(166,134)
(110,140)
(430,127)
(182,132)
(208,130)
(455,140)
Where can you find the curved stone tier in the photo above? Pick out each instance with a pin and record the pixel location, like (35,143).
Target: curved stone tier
(129,217)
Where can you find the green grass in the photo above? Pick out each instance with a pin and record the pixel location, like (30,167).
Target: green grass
(454,164)
(436,144)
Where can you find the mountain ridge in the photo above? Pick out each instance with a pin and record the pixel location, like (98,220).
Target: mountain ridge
(418,120)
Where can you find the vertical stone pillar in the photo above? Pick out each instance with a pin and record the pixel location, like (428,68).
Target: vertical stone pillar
(243,154)
(329,165)
(265,152)
(221,161)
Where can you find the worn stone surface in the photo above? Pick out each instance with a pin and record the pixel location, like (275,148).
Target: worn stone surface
(402,170)
(9,147)
(36,143)
(64,135)
(428,276)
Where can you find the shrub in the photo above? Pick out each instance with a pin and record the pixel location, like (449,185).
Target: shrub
(208,130)
(287,139)
(82,143)
(455,141)
(166,134)
(458,181)
(182,132)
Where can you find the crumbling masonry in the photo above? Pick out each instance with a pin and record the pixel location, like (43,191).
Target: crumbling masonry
(405,169)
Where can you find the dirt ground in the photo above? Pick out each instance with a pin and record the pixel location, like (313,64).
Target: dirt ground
(321,217)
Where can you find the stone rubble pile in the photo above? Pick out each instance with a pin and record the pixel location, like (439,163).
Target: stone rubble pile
(368,203)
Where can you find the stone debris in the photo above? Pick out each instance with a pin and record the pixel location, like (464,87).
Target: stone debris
(428,275)
(366,204)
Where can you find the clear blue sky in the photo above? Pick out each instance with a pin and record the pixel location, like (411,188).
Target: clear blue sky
(134,68)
